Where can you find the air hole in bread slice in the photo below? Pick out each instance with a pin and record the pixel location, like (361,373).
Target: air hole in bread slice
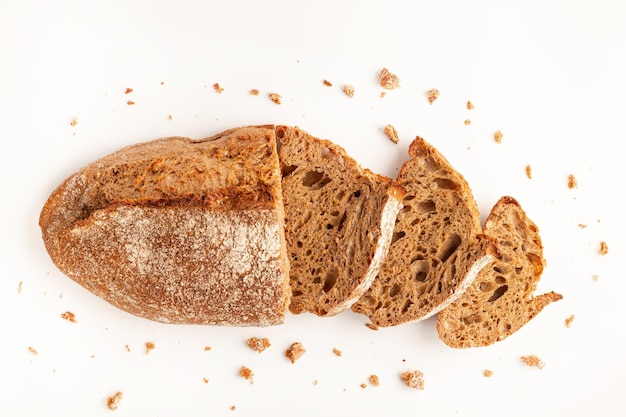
(395,290)
(420,270)
(449,247)
(498,293)
(315,180)
(427,206)
(447,184)
(331,279)
(287,170)
(396,236)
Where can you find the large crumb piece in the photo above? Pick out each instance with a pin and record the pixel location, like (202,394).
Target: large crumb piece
(533,360)
(497,136)
(295,351)
(348,90)
(374,381)
(413,379)
(258,344)
(571,182)
(604,248)
(149,347)
(389,80)
(69,316)
(114,401)
(247,374)
(432,95)
(391,133)
(276,98)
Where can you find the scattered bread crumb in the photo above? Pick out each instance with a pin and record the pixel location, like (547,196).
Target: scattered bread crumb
(348,90)
(247,374)
(69,316)
(497,136)
(149,347)
(529,172)
(254,92)
(207,348)
(595,277)
(413,379)
(295,352)
(169,117)
(363,385)
(371,326)
(128,90)
(337,352)
(533,360)
(467,122)
(258,344)
(19,287)
(74,122)
(604,248)
(582,226)
(571,182)
(327,83)
(383,94)
(217,88)
(389,80)
(233,408)
(569,320)
(127,348)
(276,98)
(487,373)
(432,94)
(33,351)
(114,401)
(391,133)
(130,103)
(374,380)
(315,382)
(205,380)
(470,105)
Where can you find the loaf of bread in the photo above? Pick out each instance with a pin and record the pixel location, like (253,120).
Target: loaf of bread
(178,230)
(500,301)
(339,222)
(437,248)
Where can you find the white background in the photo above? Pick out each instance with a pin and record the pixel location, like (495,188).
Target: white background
(548,74)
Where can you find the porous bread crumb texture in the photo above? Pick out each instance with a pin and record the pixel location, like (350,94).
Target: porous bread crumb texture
(338,222)
(432,95)
(348,90)
(413,379)
(247,374)
(388,80)
(604,248)
(434,248)
(533,361)
(391,133)
(500,301)
(178,230)
(114,401)
(295,352)
(258,344)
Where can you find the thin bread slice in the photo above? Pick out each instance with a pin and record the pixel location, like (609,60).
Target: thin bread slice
(436,250)
(501,299)
(178,230)
(339,221)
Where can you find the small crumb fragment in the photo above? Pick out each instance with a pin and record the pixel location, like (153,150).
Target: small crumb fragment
(247,374)
(529,172)
(487,373)
(371,326)
(383,94)
(571,182)
(413,379)
(569,320)
(74,122)
(128,90)
(127,348)
(233,408)
(114,401)
(348,90)
(604,249)
(205,380)
(276,98)
(33,351)
(295,352)
(19,287)
(254,92)
(363,385)
(258,344)
(217,88)
(69,316)
(207,348)
(470,105)
(432,94)
(389,80)
(149,347)
(315,382)
(391,133)
(130,102)
(374,380)
(595,277)
(467,122)
(337,352)
(582,225)
(533,360)
(497,136)
(327,83)
(169,117)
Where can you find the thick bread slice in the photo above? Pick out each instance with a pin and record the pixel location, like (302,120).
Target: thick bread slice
(178,230)
(501,299)
(339,222)
(436,250)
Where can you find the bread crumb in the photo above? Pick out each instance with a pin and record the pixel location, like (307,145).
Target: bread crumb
(582,226)
(130,103)
(69,316)
(254,92)
(529,172)
(205,380)
(497,136)
(114,401)
(276,98)
(74,122)
(207,348)
(391,133)
(169,117)
(432,94)
(371,326)
(604,248)
(295,352)
(467,122)
(374,380)
(569,320)
(258,344)
(233,408)
(533,360)
(348,90)
(19,287)
(327,83)
(33,351)
(127,348)
(128,90)
(487,373)
(217,88)
(389,80)
(571,182)
(315,382)
(247,374)
(383,94)
(595,277)
(337,352)
(470,105)
(413,379)
(149,347)
(363,385)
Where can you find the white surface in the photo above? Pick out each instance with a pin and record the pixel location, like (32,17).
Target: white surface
(549,75)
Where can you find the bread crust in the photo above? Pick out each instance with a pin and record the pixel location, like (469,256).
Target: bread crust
(178,230)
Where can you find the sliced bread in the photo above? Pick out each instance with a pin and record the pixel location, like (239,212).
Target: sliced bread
(500,301)
(436,250)
(178,230)
(339,222)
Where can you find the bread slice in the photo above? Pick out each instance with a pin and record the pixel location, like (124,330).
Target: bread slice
(436,250)
(339,222)
(501,299)
(178,230)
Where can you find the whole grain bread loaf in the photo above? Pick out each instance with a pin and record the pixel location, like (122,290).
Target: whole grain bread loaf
(178,230)
(339,222)
(437,248)
(500,301)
